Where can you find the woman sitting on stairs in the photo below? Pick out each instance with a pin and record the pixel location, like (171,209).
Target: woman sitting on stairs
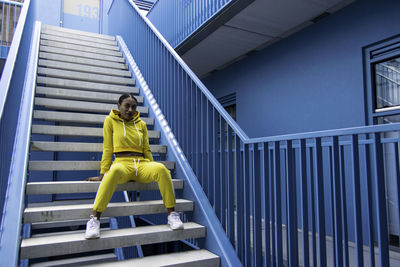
(125,135)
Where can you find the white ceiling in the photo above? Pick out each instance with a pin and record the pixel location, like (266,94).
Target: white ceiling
(260,24)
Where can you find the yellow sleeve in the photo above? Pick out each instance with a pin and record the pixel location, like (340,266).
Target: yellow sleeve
(107,146)
(146,147)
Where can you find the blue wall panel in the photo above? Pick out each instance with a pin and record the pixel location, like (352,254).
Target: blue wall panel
(312,80)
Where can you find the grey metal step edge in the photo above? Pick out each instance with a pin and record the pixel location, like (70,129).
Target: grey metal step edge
(89,86)
(81,54)
(74,41)
(75,243)
(78,117)
(64,165)
(83,61)
(79,36)
(67,187)
(74,94)
(78,131)
(79,261)
(83,68)
(81,147)
(82,211)
(81,48)
(83,106)
(81,76)
(97,35)
(192,258)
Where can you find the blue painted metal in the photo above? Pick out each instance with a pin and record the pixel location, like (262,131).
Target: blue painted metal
(133,224)
(10,17)
(177,21)
(14,199)
(118,251)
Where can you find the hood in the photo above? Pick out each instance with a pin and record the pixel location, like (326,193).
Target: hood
(114,114)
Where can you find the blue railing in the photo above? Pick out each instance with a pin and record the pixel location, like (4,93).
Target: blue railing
(177,20)
(16,96)
(9,12)
(277,196)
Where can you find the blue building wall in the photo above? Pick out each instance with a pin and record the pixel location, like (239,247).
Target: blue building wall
(312,80)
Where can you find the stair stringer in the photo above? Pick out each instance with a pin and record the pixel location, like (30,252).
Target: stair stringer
(216,239)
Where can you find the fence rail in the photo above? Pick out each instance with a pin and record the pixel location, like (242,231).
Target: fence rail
(9,12)
(306,199)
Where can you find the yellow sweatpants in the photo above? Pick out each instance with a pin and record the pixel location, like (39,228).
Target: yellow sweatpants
(138,169)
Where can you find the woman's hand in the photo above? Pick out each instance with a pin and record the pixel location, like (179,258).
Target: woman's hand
(95,179)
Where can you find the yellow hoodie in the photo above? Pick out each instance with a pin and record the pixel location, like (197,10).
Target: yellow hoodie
(120,135)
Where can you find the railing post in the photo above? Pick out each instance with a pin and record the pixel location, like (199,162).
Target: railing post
(304,202)
(278,205)
(256,189)
(337,202)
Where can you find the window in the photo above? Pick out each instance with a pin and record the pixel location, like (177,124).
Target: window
(382,76)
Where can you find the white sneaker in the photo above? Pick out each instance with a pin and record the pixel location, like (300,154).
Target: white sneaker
(174,221)
(92,228)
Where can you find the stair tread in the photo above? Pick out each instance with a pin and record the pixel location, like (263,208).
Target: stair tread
(114,209)
(89,86)
(83,68)
(78,131)
(74,243)
(55,28)
(195,258)
(78,36)
(82,76)
(71,94)
(82,147)
(68,40)
(77,105)
(100,258)
(60,187)
(82,48)
(78,117)
(60,165)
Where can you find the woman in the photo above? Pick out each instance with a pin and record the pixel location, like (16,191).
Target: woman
(125,135)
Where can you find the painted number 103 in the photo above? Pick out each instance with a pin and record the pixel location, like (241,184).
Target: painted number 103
(88,11)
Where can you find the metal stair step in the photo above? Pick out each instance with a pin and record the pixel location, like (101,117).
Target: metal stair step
(78,36)
(76,243)
(82,147)
(78,131)
(74,41)
(60,93)
(64,165)
(83,68)
(81,54)
(78,261)
(78,117)
(89,86)
(81,48)
(73,105)
(68,30)
(82,76)
(83,61)
(192,258)
(68,187)
(65,224)
(82,211)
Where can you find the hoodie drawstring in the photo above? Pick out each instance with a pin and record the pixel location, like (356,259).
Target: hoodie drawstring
(136,164)
(125,130)
(140,143)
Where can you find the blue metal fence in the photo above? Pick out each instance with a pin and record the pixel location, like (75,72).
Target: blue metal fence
(9,12)
(309,199)
(177,21)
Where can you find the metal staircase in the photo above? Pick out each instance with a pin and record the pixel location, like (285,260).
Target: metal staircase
(80,77)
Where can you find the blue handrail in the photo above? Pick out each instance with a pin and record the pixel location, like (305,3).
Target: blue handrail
(15,194)
(260,188)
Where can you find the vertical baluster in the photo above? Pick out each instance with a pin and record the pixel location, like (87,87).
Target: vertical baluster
(210,139)
(216,158)
(344,206)
(231,187)
(193,125)
(332,208)
(336,202)
(379,179)
(266,202)
(272,206)
(397,175)
(278,205)
(240,200)
(8,24)
(222,164)
(304,202)
(257,206)
(357,199)
(292,206)
(320,202)
(198,129)
(312,194)
(246,200)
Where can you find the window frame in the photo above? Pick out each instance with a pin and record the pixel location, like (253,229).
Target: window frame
(374,54)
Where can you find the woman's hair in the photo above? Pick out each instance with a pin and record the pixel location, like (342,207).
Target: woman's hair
(124,96)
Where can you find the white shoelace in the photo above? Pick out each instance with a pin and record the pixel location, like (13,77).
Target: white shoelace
(136,164)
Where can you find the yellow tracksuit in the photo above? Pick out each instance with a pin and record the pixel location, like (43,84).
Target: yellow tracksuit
(120,136)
